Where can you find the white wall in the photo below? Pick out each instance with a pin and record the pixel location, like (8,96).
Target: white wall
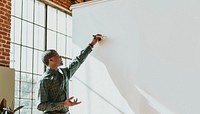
(149,58)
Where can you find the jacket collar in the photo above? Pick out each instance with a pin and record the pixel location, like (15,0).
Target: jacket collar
(49,71)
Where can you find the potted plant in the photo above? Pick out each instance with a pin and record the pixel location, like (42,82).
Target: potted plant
(8,110)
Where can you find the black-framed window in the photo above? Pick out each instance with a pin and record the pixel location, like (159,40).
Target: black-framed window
(35,27)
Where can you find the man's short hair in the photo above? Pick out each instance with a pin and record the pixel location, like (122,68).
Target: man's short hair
(47,55)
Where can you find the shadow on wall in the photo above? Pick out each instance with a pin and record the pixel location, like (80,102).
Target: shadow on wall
(108,83)
(154,103)
(99,94)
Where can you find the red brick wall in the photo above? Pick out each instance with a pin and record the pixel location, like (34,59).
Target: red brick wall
(63,3)
(5,26)
(66,3)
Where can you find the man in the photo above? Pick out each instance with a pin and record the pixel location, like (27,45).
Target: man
(54,87)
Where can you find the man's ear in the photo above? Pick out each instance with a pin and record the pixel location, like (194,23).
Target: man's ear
(50,59)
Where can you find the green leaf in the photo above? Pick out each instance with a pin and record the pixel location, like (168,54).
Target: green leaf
(3,104)
(8,110)
(18,108)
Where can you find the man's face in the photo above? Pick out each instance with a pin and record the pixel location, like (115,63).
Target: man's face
(56,60)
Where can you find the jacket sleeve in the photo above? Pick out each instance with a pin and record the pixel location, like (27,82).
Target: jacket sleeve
(78,61)
(43,103)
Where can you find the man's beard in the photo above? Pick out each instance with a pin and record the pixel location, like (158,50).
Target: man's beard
(61,63)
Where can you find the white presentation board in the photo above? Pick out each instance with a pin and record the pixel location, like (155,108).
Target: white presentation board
(151,52)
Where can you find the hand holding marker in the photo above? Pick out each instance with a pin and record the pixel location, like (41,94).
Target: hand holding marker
(99,37)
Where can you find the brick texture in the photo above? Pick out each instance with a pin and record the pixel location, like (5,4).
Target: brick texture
(66,3)
(63,3)
(5,26)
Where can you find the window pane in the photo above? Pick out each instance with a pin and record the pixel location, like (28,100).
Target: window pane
(51,40)
(39,37)
(61,44)
(39,13)
(17,89)
(26,59)
(26,77)
(28,6)
(16,103)
(38,65)
(15,30)
(69,50)
(16,7)
(69,47)
(69,25)
(36,79)
(27,104)
(17,84)
(25,94)
(15,56)
(25,110)
(17,76)
(62,22)
(27,34)
(26,87)
(51,17)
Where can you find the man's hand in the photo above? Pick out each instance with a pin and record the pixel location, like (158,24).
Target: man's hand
(97,37)
(71,102)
